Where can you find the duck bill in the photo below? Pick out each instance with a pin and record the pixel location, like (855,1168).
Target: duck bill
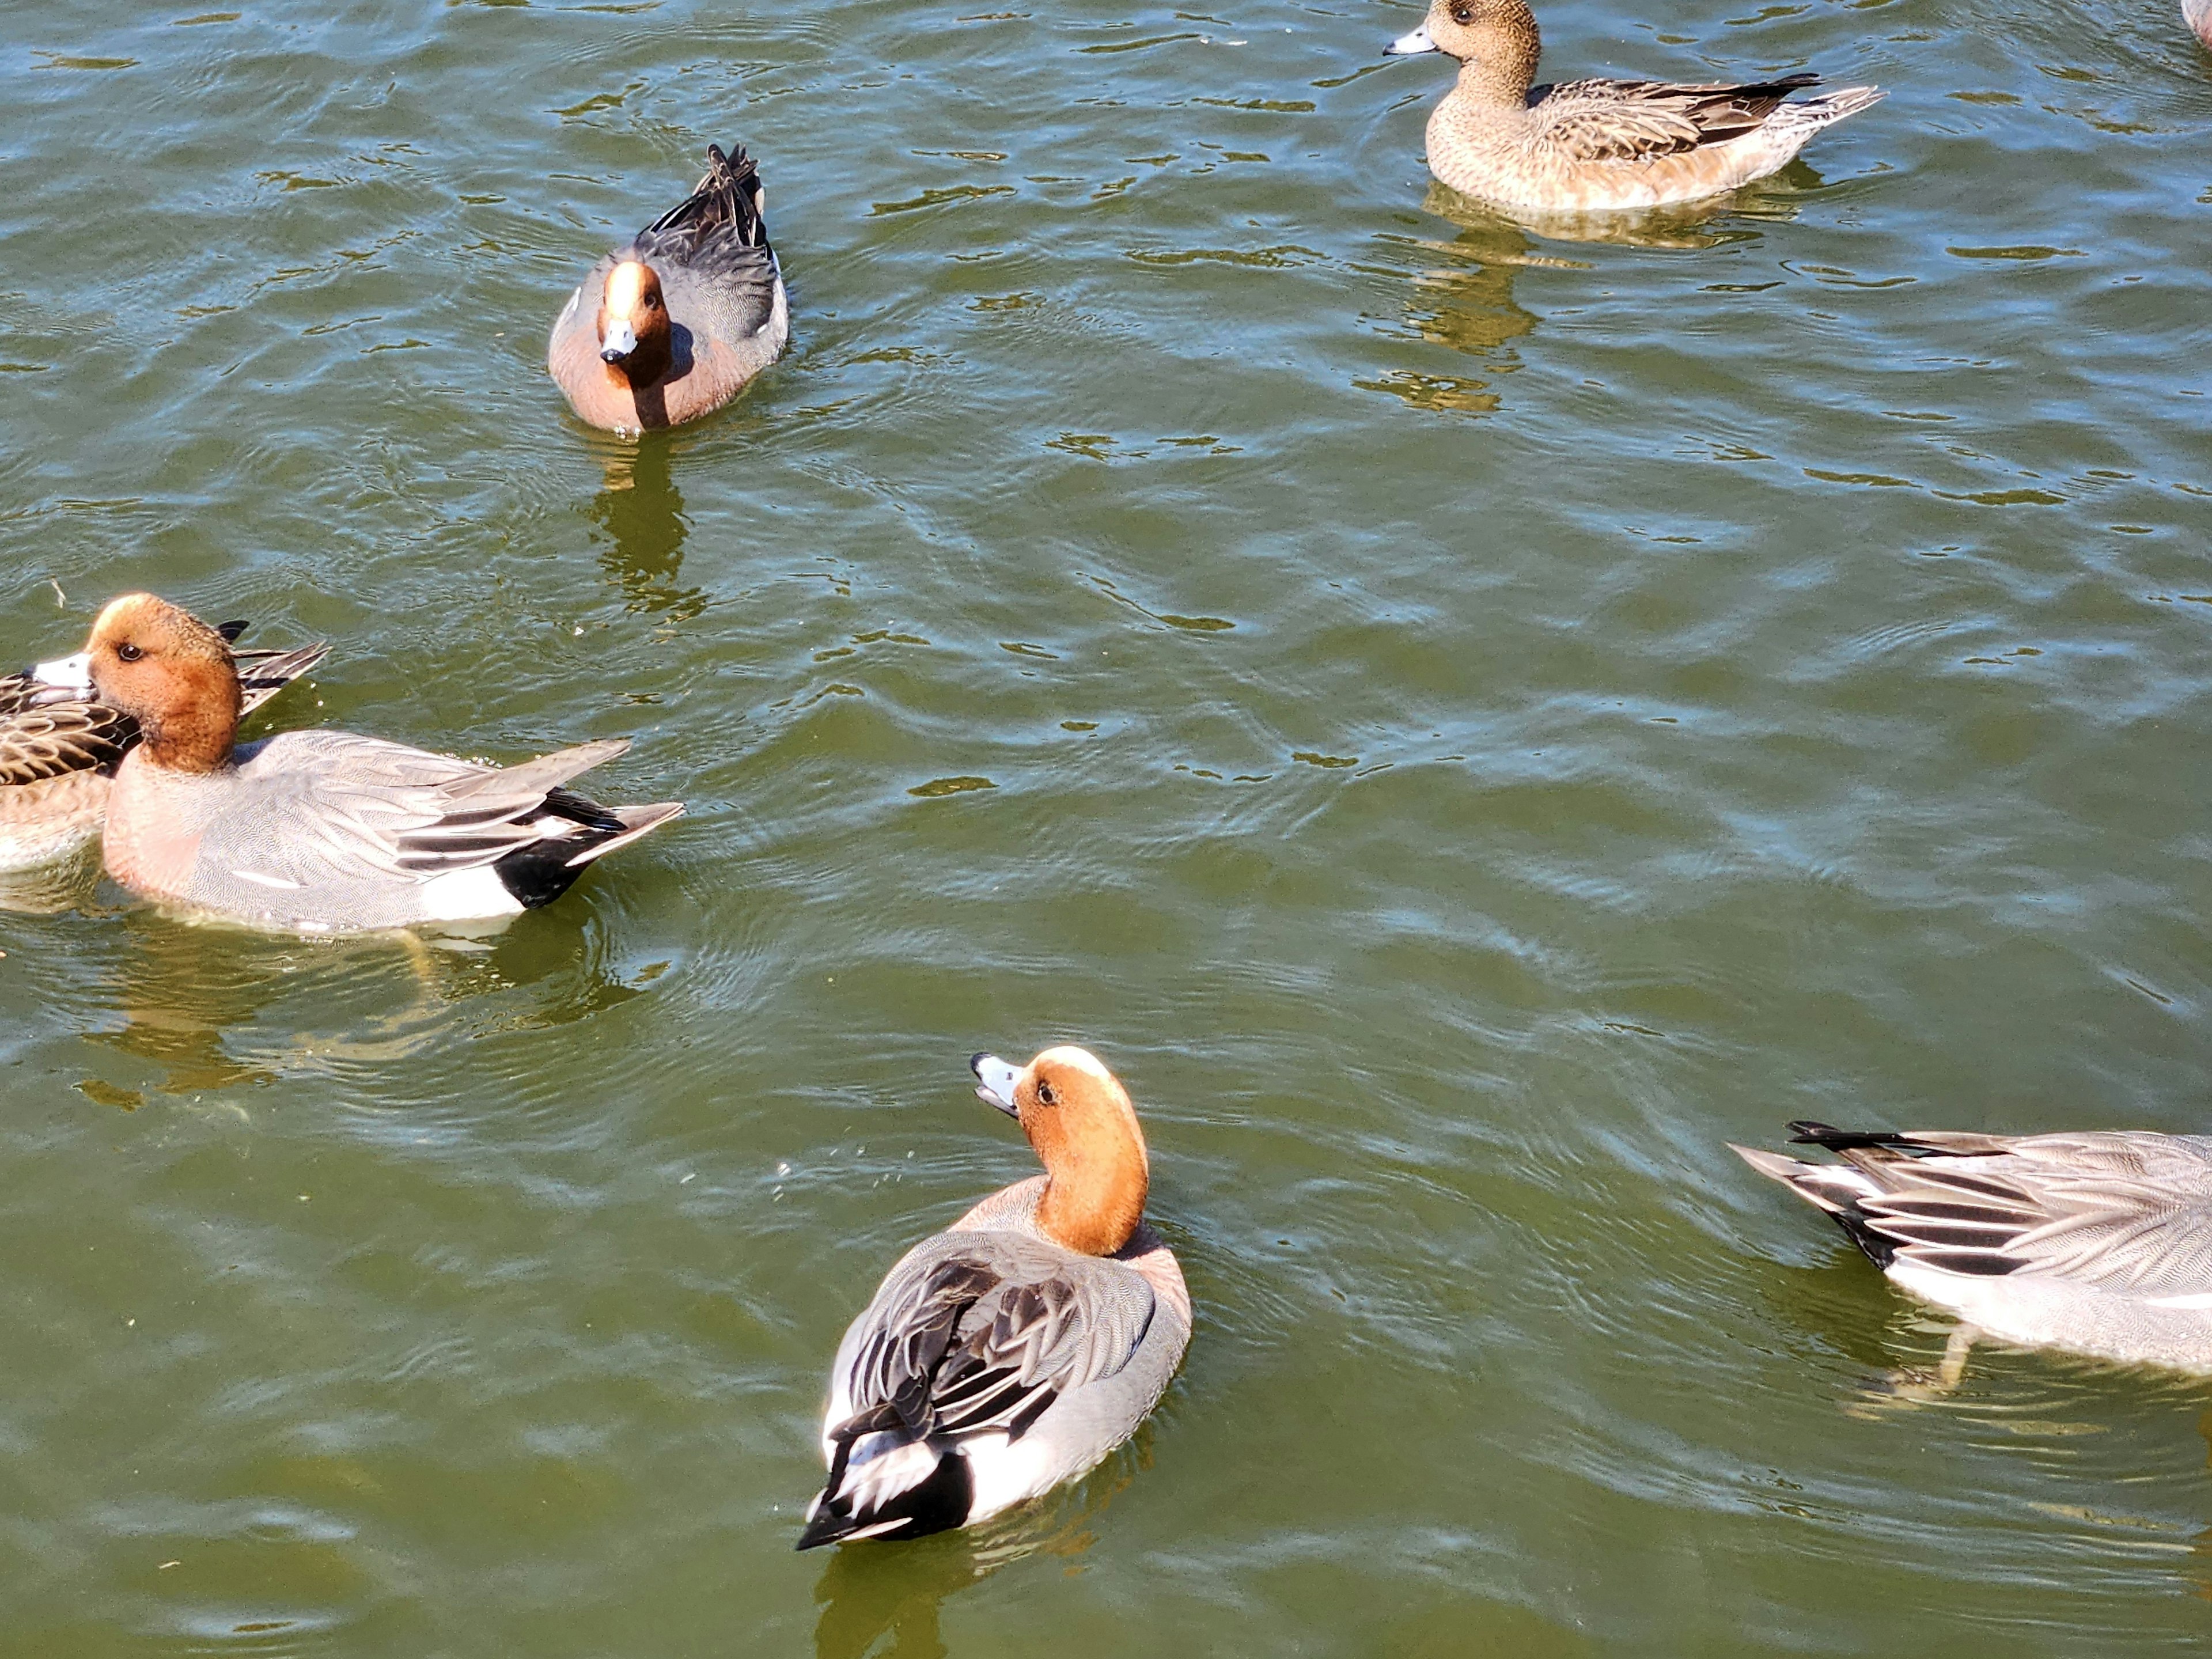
(995,1081)
(64,679)
(1411,46)
(620,340)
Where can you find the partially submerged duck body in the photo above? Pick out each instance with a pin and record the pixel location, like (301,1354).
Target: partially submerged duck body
(323,831)
(2097,1243)
(1017,1348)
(60,746)
(672,325)
(1599,145)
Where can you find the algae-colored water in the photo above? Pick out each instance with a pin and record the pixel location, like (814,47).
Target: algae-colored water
(1472,721)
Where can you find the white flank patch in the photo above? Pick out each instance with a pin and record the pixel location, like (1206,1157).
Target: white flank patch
(468,896)
(2188,1302)
(260,880)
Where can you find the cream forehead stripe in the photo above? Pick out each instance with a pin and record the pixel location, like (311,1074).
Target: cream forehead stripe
(1081,1060)
(625,286)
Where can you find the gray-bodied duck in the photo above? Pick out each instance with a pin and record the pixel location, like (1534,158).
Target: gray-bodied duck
(1016,1348)
(2097,1243)
(1585,145)
(322,832)
(671,324)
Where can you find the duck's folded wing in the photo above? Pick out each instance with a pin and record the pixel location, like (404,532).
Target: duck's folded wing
(1643,121)
(263,674)
(331,807)
(71,737)
(2127,1211)
(983,1335)
(719,230)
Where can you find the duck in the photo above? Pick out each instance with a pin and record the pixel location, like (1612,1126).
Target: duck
(2097,1243)
(673,324)
(59,748)
(2198,13)
(1015,1350)
(319,831)
(1591,145)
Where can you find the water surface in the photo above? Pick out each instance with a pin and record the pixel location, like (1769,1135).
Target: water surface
(1467,721)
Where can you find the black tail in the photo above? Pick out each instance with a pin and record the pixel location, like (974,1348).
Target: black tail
(540,872)
(939,1503)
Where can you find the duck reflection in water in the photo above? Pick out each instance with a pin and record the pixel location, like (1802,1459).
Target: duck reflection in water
(1462,293)
(216,1007)
(869,1594)
(640,512)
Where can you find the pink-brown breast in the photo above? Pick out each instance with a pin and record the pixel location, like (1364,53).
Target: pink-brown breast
(602,395)
(147,845)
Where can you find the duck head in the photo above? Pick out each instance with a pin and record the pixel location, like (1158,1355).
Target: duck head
(1489,30)
(169,671)
(1079,1121)
(634,329)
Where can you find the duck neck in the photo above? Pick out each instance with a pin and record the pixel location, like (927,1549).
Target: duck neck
(646,364)
(1093,1209)
(200,740)
(1503,66)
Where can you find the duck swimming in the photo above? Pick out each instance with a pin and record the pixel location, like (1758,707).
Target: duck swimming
(322,831)
(2097,1243)
(1584,145)
(1016,1348)
(59,749)
(671,325)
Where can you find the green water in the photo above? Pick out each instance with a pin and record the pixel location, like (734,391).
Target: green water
(1472,722)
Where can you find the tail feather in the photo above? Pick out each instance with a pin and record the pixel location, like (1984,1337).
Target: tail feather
(1832,107)
(1836,1190)
(907,1490)
(635,821)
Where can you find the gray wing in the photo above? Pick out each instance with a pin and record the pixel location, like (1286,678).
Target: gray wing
(2119,1210)
(980,1333)
(1642,121)
(331,807)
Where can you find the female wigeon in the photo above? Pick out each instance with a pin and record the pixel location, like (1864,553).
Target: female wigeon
(1016,1348)
(1598,144)
(671,325)
(2097,1243)
(322,831)
(59,748)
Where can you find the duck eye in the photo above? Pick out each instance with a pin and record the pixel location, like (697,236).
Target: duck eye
(1045,1095)
(1462,13)
(128,653)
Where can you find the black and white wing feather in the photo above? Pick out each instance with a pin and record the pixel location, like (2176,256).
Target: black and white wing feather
(969,1341)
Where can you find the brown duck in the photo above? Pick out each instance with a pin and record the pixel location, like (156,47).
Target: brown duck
(671,325)
(60,745)
(1598,144)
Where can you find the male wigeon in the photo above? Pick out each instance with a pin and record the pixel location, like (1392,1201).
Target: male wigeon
(1016,1349)
(2198,15)
(59,748)
(2097,1243)
(322,831)
(1583,145)
(671,325)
